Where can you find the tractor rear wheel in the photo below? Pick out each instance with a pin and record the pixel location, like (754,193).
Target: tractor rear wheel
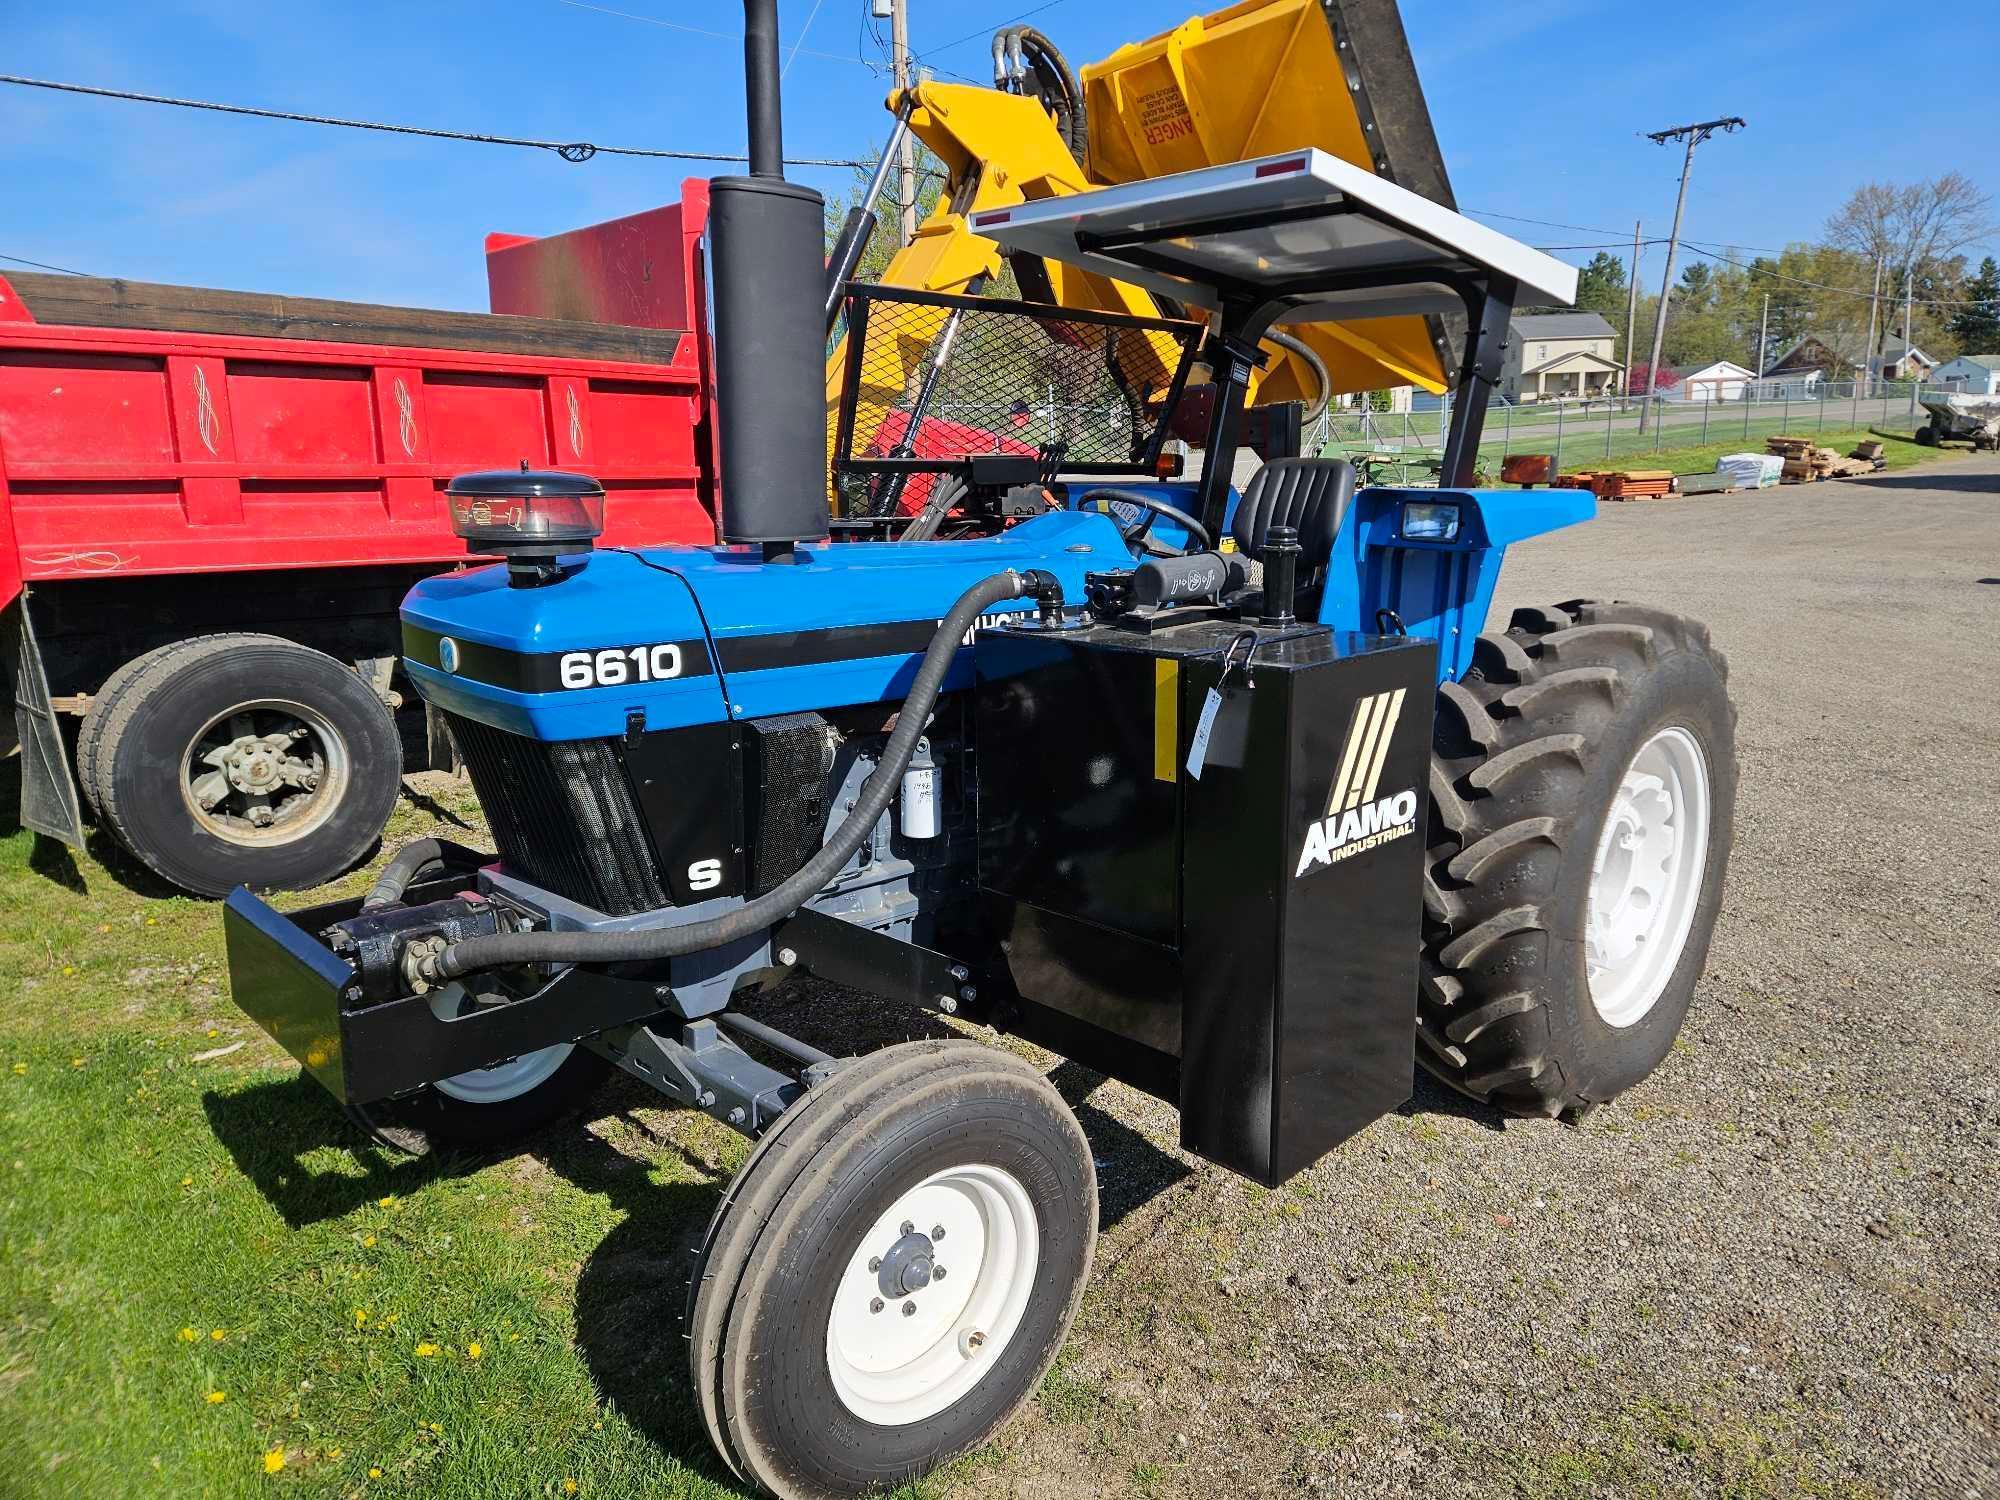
(1583,788)
(893,1270)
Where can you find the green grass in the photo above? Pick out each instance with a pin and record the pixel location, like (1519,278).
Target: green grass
(1694,458)
(151,1197)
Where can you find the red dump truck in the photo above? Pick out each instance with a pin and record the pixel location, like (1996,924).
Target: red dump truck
(212,503)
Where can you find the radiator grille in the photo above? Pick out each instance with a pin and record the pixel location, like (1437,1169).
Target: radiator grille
(563,816)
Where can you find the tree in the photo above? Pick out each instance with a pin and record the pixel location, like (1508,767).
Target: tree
(1914,230)
(1642,379)
(1976,326)
(1600,288)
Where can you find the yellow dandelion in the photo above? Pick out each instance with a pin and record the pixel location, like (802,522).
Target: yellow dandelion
(69,968)
(103,926)
(373,1472)
(76,1062)
(427,1351)
(360,1317)
(152,921)
(217,1334)
(275,1459)
(185,1181)
(188,1335)
(216,1398)
(215,1031)
(334,1454)
(367,1242)
(569,1486)
(391,1319)
(437,1428)
(387,1200)
(473,1351)
(19,1069)
(597,1427)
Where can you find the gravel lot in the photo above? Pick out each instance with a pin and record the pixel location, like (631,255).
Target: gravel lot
(1774,1268)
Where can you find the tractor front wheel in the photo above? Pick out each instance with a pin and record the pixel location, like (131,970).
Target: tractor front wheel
(893,1271)
(1583,788)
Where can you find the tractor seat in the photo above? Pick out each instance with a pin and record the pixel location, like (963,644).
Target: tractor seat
(1310,495)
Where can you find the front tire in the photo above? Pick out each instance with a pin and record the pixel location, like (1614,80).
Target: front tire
(830,1353)
(493,1109)
(1583,789)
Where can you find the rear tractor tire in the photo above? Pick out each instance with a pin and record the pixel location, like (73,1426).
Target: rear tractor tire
(1583,791)
(892,1272)
(499,1108)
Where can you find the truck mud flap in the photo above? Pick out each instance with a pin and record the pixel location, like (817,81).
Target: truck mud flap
(48,790)
(310,1002)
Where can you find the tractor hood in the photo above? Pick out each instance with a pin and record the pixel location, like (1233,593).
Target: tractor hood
(696,635)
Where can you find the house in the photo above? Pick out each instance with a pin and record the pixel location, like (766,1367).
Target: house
(1555,355)
(1725,380)
(1813,356)
(1974,374)
(1901,361)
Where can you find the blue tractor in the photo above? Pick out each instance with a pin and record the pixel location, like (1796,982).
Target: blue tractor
(1229,795)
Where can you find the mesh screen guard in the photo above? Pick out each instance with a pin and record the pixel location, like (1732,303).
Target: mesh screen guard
(931,379)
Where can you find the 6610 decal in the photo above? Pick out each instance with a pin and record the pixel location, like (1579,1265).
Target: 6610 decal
(619,664)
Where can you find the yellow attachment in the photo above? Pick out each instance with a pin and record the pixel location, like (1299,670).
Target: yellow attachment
(1254,79)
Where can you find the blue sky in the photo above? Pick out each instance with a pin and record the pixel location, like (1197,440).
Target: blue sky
(1539,109)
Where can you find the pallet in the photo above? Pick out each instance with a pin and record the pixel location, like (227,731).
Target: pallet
(1623,484)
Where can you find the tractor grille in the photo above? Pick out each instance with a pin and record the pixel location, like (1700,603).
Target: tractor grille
(563,816)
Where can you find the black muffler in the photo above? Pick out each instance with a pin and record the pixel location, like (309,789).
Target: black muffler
(767,264)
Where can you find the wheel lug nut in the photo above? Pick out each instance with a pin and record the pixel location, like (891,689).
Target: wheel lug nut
(874,1304)
(938,1232)
(875,1263)
(908,1227)
(937,1273)
(909,1309)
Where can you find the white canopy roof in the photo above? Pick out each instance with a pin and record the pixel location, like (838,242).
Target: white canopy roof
(1278,224)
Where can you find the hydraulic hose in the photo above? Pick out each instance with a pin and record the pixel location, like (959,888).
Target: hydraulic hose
(502,949)
(1310,355)
(410,861)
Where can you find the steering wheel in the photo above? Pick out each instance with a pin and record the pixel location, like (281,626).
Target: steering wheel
(1136,533)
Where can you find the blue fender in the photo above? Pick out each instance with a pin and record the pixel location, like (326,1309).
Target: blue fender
(1439,587)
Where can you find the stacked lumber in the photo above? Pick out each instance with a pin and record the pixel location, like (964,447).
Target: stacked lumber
(1622,484)
(1806,461)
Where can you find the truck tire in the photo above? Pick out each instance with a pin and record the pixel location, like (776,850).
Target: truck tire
(1583,791)
(817,1377)
(1926,436)
(240,759)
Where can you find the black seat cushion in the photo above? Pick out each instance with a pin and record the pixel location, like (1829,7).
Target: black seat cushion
(1310,495)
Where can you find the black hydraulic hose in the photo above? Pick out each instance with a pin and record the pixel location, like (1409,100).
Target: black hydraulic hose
(1310,355)
(502,949)
(410,861)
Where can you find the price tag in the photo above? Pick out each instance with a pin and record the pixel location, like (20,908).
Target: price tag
(1204,726)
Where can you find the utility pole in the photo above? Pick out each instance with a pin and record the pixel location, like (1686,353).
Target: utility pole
(906,151)
(1909,294)
(1694,135)
(1631,308)
(1874,296)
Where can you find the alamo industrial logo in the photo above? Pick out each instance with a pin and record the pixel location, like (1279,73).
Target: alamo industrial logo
(1356,819)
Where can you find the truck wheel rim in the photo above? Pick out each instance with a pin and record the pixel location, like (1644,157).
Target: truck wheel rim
(264,772)
(508,1080)
(1646,880)
(920,1318)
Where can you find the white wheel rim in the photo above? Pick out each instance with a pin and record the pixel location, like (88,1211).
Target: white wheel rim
(508,1080)
(1646,880)
(900,1357)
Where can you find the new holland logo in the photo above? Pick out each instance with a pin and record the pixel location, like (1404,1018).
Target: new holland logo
(1356,819)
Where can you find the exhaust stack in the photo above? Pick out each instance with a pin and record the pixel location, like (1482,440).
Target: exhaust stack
(767,263)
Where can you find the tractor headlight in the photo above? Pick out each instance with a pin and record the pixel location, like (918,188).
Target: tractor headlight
(1430,521)
(526,512)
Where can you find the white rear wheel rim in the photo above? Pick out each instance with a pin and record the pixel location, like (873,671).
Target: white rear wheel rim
(899,1353)
(1645,882)
(508,1080)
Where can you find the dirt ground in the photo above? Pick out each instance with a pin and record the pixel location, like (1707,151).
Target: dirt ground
(1772,1269)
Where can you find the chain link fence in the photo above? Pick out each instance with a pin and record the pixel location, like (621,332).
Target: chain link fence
(1404,447)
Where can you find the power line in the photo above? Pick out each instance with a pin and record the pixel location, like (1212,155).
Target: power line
(989,30)
(1487,213)
(1823,286)
(800,41)
(571,151)
(42,265)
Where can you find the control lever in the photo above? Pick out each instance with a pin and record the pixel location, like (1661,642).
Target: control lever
(1281,574)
